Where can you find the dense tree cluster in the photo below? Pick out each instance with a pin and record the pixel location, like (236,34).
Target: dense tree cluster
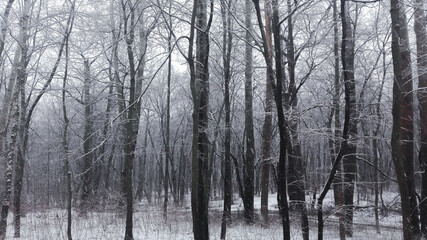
(123,101)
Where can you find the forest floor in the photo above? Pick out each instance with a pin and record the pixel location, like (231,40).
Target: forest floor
(150,225)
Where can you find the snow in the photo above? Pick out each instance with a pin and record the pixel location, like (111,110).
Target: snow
(149,223)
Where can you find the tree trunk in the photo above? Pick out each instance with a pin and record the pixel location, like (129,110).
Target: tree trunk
(248,172)
(199,85)
(65,144)
(375,146)
(11,110)
(282,186)
(87,175)
(407,121)
(226,46)
(349,161)
(168,157)
(397,154)
(133,111)
(338,186)
(296,165)
(268,120)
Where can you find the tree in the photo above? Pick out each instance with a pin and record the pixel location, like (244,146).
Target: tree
(349,160)
(295,159)
(397,153)
(132,112)
(65,144)
(227,42)
(25,121)
(10,111)
(248,172)
(87,138)
(199,85)
(407,120)
(268,118)
(282,195)
(335,114)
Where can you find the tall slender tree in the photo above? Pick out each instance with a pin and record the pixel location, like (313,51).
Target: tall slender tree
(88,133)
(268,117)
(295,159)
(10,111)
(248,172)
(227,42)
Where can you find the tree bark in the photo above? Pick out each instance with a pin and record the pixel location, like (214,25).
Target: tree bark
(227,41)
(397,154)
(349,161)
(199,85)
(407,121)
(338,186)
(11,110)
(268,119)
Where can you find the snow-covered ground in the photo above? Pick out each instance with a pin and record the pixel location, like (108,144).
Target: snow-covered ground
(149,224)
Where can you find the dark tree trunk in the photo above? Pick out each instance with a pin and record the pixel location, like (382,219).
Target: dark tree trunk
(65,144)
(349,161)
(397,153)
(199,84)
(268,119)
(133,111)
(282,186)
(407,121)
(226,46)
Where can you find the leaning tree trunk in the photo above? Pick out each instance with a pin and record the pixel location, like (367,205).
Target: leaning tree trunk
(397,156)
(421,40)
